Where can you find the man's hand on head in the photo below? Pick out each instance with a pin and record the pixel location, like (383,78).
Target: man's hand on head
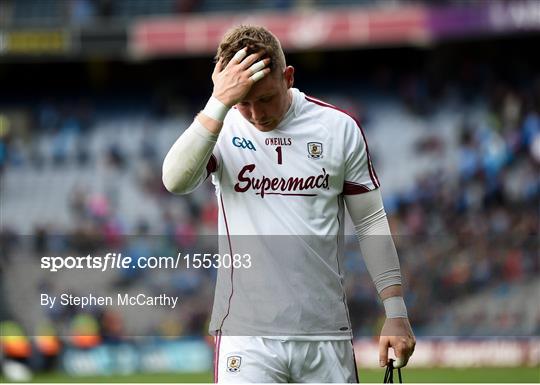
(397,334)
(233,81)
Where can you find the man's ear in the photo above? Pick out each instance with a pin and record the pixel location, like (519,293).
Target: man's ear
(288,75)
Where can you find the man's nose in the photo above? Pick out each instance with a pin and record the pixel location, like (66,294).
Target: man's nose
(256,112)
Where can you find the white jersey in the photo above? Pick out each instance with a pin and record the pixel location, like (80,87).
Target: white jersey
(280,197)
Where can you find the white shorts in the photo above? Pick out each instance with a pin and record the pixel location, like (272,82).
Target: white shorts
(241,359)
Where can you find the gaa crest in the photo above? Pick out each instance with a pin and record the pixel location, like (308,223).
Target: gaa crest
(315,150)
(233,363)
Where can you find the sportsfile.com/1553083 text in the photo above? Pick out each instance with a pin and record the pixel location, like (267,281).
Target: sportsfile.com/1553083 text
(119,261)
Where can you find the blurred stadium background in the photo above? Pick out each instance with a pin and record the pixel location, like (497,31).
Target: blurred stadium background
(94,92)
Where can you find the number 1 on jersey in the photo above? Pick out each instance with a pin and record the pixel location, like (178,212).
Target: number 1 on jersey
(279,156)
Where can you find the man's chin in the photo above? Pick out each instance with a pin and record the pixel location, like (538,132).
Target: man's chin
(265,127)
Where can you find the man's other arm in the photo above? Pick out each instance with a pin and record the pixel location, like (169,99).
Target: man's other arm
(184,167)
(380,255)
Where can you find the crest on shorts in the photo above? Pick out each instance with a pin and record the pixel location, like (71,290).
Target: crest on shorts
(314,150)
(233,363)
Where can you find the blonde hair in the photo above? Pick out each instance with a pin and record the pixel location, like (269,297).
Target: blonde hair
(256,38)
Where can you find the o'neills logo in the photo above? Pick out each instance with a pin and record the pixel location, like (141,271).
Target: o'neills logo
(279,186)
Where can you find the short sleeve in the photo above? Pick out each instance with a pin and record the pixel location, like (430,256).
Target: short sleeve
(214,162)
(212,165)
(360,176)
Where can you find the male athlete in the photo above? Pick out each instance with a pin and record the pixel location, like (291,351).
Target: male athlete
(284,164)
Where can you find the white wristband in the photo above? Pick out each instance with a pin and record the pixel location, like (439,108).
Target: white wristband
(395,307)
(215,109)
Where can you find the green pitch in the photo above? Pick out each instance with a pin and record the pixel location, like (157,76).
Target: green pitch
(441,375)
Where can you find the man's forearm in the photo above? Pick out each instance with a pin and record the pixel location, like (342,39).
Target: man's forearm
(212,125)
(392,299)
(377,246)
(376,243)
(184,166)
(391,291)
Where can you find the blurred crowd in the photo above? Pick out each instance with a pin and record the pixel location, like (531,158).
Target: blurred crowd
(82,175)
(474,228)
(459,232)
(89,12)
